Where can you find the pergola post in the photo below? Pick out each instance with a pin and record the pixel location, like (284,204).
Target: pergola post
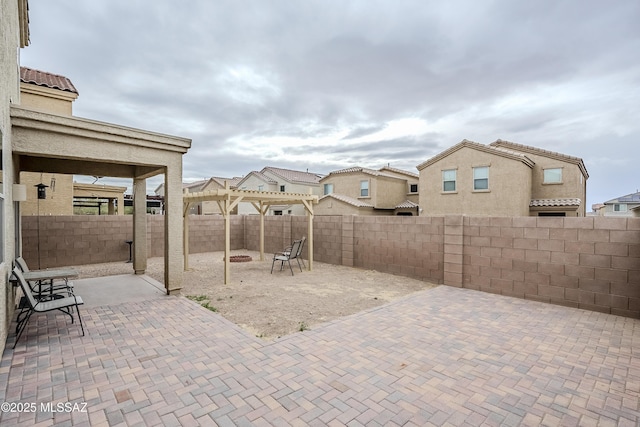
(185,249)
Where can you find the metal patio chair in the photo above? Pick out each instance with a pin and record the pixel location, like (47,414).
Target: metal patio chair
(288,256)
(29,305)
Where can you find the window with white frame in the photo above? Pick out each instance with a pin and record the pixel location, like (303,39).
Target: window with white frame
(552,176)
(413,188)
(449,180)
(328,189)
(481,178)
(619,207)
(364,188)
(261,187)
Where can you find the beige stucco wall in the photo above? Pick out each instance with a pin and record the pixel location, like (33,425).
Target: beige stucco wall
(390,192)
(348,184)
(574,184)
(253,182)
(509,191)
(9,93)
(331,206)
(45,99)
(59,199)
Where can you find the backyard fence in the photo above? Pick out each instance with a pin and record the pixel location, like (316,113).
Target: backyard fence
(591,263)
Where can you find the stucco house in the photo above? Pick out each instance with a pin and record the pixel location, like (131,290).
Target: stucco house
(279,180)
(502,179)
(33,140)
(363,191)
(213,183)
(628,205)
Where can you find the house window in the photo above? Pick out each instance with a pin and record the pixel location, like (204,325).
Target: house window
(619,207)
(553,176)
(413,188)
(277,212)
(481,178)
(364,188)
(449,180)
(328,189)
(282,188)
(261,187)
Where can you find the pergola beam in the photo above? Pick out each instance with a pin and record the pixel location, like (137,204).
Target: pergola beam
(228,199)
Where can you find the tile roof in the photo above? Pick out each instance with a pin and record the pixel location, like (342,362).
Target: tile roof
(293,175)
(399,171)
(233,182)
(499,151)
(407,204)
(539,151)
(195,185)
(42,78)
(367,171)
(346,199)
(554,202)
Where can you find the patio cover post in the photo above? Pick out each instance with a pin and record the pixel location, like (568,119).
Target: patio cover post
(185,250)
(139,225)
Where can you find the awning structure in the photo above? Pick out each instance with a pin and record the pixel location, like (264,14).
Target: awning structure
(228,199)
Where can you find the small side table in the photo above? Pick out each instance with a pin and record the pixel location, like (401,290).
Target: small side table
(130,243)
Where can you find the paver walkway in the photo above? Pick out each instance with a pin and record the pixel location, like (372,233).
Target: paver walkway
(440,357)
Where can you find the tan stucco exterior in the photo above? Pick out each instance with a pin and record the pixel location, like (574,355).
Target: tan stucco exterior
(267,181)
(515,182)
(46,99)
(14,34)
(387,188)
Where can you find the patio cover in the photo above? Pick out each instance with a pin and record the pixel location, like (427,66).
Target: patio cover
(43,142)
(228,199)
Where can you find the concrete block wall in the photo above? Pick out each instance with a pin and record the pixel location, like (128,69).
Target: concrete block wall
(591,262)
(407,246)
(67,240)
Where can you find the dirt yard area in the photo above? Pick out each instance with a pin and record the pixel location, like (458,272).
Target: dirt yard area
(278,304)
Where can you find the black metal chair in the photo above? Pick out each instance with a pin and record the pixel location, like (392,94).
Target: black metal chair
(287,256)
(30,305)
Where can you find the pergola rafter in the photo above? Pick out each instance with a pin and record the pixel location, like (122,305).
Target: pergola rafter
(228,198)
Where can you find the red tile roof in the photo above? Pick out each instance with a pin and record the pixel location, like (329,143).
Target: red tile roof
(42,78)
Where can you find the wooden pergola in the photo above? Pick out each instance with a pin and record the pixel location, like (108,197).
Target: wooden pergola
(228,198)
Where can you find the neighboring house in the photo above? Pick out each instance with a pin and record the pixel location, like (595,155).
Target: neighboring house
(628,205)
(283,181)
(502,179)
(363,191)
(213,183)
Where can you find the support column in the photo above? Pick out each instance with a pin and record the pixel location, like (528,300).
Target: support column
(453,250)
(173,228)
(347,240)
(139,225)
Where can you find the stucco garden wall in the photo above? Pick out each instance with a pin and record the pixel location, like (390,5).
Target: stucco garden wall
(591,263)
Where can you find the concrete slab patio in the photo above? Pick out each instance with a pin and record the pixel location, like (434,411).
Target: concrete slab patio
(444,356)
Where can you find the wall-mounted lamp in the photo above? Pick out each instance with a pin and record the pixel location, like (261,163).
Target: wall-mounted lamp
(42,194)
(19,193)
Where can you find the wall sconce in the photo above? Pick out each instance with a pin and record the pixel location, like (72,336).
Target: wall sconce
(42,194)
(19,193)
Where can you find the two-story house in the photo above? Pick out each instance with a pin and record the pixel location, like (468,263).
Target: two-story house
(628,205)
(502,179)
(213,183)
(363,191)
(279,180)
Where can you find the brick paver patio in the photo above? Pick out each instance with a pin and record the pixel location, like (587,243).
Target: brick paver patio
(440,357)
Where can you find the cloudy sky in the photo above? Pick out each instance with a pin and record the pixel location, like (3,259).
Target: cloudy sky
(328,84)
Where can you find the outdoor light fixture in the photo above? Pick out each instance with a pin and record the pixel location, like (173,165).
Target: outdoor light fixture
(42,194)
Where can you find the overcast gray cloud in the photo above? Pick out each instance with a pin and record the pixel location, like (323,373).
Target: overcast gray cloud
(322,85)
